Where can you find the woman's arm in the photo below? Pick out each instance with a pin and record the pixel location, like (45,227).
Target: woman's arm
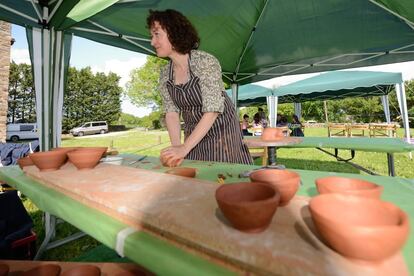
(172,119)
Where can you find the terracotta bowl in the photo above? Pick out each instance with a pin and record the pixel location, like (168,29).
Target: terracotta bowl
(349,186)
(285,181)
(358,227)
(101,149)
(272,133)
(85,159)
(25,161)
(183,171)
(65,149)
(43,270)
(89,270)
(249,207)
(48,160)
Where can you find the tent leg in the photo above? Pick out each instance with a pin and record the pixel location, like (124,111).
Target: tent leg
(391,168)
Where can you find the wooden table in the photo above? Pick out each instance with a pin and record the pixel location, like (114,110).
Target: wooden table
(271,145)
(196,240)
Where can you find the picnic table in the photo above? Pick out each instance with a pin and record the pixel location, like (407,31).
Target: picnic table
(164,254)
(383,145)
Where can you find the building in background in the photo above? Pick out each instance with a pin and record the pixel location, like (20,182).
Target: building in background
(5,39)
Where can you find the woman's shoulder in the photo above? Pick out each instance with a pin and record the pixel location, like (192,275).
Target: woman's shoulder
(164,72)
(203,58)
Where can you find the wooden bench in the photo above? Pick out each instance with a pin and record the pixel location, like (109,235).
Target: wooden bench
(383,130)
(358,130)
(337,130)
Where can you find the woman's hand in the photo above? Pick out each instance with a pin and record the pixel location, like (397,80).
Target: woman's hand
(173,156)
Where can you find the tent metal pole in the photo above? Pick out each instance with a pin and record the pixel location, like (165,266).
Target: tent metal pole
(404,111)
(234,94)
(386,106)
(298,110)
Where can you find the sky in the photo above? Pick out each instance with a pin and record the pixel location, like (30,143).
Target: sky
(104,58)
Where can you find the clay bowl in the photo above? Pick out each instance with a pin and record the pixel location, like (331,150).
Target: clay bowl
(272,133)
(100,149)
(65,149)
(80,270)
(43,270)
(4,269)
(25,161)
(48,160)
(285,181)
(360,228)
(348,186)
(85,159)
(249,207)
(182,171)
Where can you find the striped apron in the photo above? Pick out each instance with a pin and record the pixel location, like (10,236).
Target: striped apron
(223,142)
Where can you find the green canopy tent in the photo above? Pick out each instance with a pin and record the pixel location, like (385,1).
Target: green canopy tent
(328,86)
(251,94)
(343,84)
(253,39)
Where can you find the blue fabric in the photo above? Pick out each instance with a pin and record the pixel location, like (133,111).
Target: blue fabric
(11,152)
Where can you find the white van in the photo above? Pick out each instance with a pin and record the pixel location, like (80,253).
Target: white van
(99,127)
(16,132)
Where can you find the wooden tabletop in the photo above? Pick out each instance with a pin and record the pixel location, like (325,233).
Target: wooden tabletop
(283,141)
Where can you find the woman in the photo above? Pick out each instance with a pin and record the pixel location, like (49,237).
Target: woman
(191,85)
(245,125)
(296,127)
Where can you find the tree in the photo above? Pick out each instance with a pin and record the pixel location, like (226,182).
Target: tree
(143,87)
(21,94)
(90,97)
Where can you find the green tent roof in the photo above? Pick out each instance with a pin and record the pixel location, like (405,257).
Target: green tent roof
(338,85)
(326,86)
(253,39)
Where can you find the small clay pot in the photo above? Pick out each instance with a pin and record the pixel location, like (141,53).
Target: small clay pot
(25,161)
(348,186)
(65,149)
(182,171)
(358,227)
(83,270)
(272,133)
(85,159)
(4,269)
(249,207)
(100,149)
(285,181)
(43,270)
(48,160)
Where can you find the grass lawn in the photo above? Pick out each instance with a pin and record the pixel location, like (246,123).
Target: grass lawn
(151,142)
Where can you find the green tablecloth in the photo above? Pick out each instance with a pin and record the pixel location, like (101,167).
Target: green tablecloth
(162,257)
(388,145)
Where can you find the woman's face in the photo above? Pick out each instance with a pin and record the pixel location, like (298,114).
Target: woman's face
(159,40)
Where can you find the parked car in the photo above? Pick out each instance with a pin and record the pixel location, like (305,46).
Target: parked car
(16,132)
(99,127)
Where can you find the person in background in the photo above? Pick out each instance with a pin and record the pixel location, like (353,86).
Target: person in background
(283,121)
(262,116)
(257,125)
(296,127)
(245,125)
(191,85)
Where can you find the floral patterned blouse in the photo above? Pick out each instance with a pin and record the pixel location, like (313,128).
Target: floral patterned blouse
(207,68)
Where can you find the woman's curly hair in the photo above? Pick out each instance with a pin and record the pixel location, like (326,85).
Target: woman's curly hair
(181,33)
